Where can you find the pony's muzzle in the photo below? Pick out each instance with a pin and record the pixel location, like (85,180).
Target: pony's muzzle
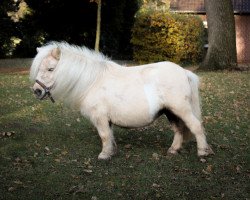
(41,91)
(38,92)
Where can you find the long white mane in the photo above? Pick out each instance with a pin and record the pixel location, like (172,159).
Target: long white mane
(77,69)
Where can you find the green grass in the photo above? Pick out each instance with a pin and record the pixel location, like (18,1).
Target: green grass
(50,152)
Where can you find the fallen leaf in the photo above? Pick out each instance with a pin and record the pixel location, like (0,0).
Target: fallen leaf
(9,134)
(156,185)
(64,153)
(88,170)
(156,156)
(158,195)
(205,172)
(128,146)
(238,168)
(73,189)
(18,182)
(11,189)
(209,168)
(47,148)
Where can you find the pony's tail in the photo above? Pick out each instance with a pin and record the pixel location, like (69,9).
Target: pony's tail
(195,100)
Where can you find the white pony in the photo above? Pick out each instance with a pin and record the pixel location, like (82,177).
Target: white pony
(109,94)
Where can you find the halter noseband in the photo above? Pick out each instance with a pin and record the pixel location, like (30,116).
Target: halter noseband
(47,91)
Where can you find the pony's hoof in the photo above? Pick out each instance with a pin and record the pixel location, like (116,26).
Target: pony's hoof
(172,151)
(104,156)
(205,152)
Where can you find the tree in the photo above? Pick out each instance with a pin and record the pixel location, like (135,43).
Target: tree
(98,25)
(221,53)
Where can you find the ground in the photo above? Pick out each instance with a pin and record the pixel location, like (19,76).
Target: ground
(48,151)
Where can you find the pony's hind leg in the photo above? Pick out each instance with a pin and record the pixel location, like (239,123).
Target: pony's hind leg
(177,141)
(178,135)
(195,126)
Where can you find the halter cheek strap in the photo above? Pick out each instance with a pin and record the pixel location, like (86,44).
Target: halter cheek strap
(47,91)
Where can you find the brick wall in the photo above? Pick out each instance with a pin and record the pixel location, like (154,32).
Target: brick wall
(242,25)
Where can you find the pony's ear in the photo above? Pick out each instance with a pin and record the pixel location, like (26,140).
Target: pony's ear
(56,53)
(38,49)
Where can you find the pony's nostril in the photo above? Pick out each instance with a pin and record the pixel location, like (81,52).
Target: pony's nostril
(38,92)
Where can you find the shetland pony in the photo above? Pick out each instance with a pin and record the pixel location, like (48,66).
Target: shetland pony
(109,94)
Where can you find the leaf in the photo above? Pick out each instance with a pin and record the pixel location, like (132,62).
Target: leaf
(205,172)
(64,152)
(18,182)
(209,168)
(7,134)
(88,171)
(238,168)
(156,156)
(128,146)
(11,189)
(154,185)
(47,148)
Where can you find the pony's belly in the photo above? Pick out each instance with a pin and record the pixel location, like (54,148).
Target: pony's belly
(135,110)
(132,120)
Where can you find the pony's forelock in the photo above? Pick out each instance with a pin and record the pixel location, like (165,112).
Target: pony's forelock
(42,53)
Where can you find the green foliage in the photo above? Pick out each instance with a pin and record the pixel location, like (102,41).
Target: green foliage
(7,28)
(159,35)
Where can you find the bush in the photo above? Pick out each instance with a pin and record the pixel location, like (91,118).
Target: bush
(159,35)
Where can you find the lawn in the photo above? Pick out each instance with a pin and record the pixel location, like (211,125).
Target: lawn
(48,151)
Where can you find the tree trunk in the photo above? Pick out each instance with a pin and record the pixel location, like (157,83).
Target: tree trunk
(98,25)
(221,53)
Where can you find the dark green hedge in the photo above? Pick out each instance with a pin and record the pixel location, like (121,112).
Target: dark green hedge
(158,36)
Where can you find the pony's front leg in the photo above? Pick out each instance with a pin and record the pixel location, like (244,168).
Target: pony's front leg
(108,142)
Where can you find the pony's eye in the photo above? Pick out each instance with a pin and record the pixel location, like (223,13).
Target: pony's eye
(51,69)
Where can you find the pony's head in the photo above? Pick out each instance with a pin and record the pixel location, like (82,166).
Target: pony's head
(65,71)
(43,70)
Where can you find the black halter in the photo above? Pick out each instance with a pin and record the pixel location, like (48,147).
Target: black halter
(47,91)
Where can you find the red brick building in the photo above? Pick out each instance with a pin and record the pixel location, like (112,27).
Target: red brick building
(241,16)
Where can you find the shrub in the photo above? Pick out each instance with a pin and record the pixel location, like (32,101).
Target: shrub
(159,35)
